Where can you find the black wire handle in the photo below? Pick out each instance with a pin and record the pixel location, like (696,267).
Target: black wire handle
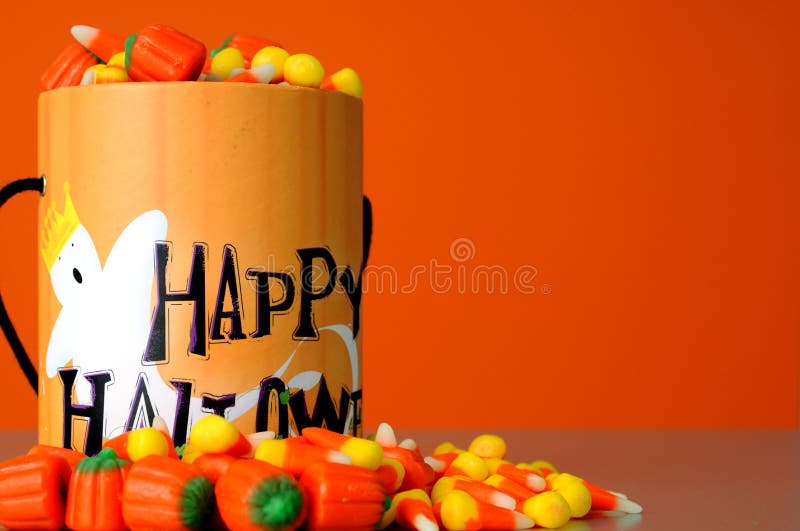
(33,184)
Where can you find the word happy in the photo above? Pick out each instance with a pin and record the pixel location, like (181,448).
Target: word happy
(310,260)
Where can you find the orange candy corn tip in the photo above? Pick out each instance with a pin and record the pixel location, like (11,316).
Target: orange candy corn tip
(103,44)
(460,511)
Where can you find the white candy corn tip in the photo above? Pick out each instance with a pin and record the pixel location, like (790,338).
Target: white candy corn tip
(84,34)
(619,494)
(435,464)
(536,482)
(423,523)
(255,438)
(385,435)
(501,499)
(339,457)
(158,422)
(408,444)
(264,73)
(521,521)
(88,79)
(628,506)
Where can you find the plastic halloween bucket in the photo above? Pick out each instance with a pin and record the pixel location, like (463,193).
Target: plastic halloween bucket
(201,252)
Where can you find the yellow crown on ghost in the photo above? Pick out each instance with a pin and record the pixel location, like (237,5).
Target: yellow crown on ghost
(58,228)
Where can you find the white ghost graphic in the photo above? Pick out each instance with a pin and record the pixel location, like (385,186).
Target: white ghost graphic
(104,319)
(104,324)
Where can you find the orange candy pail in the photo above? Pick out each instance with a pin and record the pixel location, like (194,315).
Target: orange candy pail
(202,247)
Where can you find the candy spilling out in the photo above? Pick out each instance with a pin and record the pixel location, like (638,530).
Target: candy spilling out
(162,53)
(222,479)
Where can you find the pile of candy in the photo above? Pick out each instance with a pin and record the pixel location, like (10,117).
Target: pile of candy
(162,53)
(222,479)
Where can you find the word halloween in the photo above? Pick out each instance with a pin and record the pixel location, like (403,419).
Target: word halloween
(310,261)
(273,397)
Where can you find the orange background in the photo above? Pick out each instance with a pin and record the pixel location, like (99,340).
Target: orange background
(642,156)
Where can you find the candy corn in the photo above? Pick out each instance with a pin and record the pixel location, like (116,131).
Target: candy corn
(548,509)
(215,435)
(412,509)
(294,456)
(470,465)
(480,491)
(391,473)
(303,70)
(146,441)
(602,499)
(526,478)
(543,468)
(460,511)
(385,435)
(363,452)
(446,447)
(274,56)
(488,446)
(225,61)
(345,80)
(512,488)
(257,74)
(101,43)
(577,496)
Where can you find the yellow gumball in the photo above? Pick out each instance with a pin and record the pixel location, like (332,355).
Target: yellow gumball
(303,70)
(225,61)
(273,55)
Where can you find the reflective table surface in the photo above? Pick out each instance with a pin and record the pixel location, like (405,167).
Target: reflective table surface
(685,480)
